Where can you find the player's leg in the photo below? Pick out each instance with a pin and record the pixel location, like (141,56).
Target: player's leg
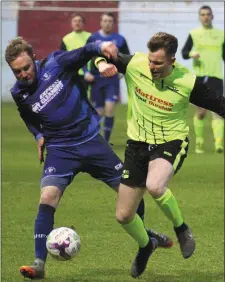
(111,98)
(97,96)
(166,160)
(199,123)
(217,121)
(127,202)
(109,119)
(58,172)
(218,132)
(105,165)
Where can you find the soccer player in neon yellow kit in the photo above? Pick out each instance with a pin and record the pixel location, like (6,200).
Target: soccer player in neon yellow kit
(159,93)
(75,39)
(205,45)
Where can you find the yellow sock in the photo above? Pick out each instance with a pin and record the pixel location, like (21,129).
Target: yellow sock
(169,206)
(137,231)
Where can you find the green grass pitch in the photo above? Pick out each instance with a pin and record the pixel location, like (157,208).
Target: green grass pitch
(106,251)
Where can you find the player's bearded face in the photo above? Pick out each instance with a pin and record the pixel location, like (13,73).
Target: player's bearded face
(160,64)
(23,68)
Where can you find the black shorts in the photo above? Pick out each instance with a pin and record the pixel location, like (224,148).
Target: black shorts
(139,154)
(213,83)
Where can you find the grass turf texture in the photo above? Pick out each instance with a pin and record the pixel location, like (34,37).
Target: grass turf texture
(106,250)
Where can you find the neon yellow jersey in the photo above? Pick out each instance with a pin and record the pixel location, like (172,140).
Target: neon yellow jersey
(157,110)
(209,44)
(74,40)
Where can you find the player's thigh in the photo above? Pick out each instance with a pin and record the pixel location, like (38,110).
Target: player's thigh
(160,171)
(216,84)
(102,163)
(135,164)
(172,155)
(97,95)
(128,199)
(60,168)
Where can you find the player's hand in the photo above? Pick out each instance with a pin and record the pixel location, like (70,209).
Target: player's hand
(41,148)
(107,70)
(195,55)
(89,77)
(109,50)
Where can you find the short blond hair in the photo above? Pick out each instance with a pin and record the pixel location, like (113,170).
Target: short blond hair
(16,47)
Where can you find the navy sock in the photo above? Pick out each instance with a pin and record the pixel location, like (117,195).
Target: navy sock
(43,226)
(141,209)
(108,126)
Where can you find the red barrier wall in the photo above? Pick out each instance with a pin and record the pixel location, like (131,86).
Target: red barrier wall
(45,29)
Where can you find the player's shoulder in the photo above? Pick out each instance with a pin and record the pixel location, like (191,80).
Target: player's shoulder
(140,56)
(118,35)
(67,36)
(16,89)
(86,33)
(218,31)
(184,74)
(196,30)
(95,34)
(138,59)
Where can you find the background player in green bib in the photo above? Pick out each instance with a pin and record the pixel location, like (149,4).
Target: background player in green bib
(75,39)
(205,45)
(159,93)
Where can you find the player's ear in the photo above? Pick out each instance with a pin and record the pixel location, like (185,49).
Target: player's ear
(34,56)
(173,59)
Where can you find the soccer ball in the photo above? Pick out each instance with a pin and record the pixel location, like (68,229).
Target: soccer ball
(63,243)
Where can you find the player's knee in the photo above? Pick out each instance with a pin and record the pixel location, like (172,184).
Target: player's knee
(123,217)
(50,195)
(156,188)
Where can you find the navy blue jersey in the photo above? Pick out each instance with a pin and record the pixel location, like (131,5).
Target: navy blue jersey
(116,38)
(56,105)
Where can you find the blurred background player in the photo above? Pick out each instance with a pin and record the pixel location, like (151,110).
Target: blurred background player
(205,45)
(75,39)
(105,91)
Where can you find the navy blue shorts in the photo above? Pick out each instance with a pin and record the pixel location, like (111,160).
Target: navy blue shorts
(105,89)
(94,157)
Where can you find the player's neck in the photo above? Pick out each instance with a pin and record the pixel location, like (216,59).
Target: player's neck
(103,33)
(168,73)
(78,31)
(207,26)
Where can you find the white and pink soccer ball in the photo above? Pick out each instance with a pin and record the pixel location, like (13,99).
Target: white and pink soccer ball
(63,243)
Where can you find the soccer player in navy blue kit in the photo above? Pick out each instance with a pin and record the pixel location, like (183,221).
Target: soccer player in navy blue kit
(105,91)
(56,111)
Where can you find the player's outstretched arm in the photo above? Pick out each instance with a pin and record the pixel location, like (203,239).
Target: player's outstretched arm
(75,59)
(205,97)
(120,62)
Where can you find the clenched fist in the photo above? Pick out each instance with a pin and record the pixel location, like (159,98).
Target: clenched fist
(107,70)
(109,50)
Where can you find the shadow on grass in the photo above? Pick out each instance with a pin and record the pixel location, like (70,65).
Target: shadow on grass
(118,275)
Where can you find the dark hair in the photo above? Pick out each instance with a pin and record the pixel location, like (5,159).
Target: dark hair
(206,8)
(109,14)
(163,40)
(16,47)
(74,15)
